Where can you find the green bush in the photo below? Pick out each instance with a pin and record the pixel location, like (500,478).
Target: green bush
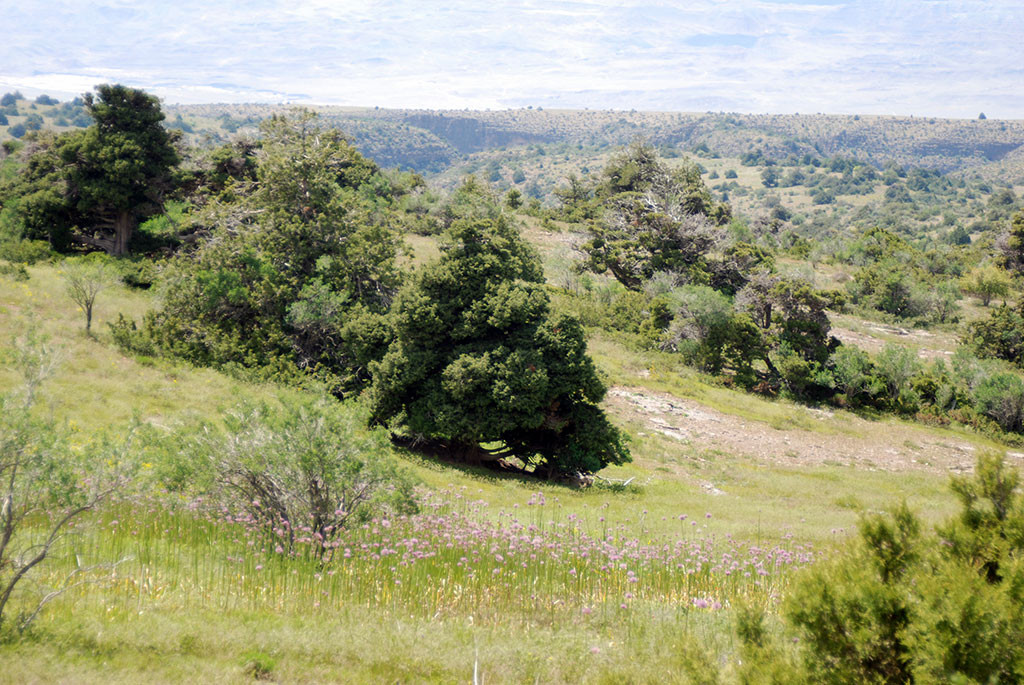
(1001,335)
(136,272)
(1001,398)
(855,377)
(25,251)
(299,465)
(895,365)
(711,335)
(901,605)
(258,665)
(274,292)
(478,359)
(18,272)
(130,338)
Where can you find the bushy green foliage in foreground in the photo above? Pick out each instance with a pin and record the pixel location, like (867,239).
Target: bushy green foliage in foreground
(300,470)
(901,605)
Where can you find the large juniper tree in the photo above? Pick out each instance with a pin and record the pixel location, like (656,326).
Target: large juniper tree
(481,369)
(297,265)
(651,218)
(126,158)
(94,186)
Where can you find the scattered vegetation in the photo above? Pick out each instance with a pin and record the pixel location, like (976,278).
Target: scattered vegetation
(395,395)
(47,488)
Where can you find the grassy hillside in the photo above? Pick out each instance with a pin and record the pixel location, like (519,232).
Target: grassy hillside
(640,576)
(743,470)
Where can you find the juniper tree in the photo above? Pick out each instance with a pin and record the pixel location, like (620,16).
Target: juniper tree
(95,185)
(481,369)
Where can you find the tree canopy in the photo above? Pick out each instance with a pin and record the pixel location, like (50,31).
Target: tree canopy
(479,366)
(297,264)
(94,186)
(652,219)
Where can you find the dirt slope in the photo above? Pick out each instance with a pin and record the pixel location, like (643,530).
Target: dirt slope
(843,438)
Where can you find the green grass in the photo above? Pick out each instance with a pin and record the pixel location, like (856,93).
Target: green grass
(98,387)
(180,609)
(192,599)
(97,646)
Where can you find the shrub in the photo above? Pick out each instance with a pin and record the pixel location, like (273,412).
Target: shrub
(302,470)
(258,665)
(1001,397)
(1001,335)
(986,283)
(855,375)
(25,251)
(129,338)
(711,335)
(136,272)
(306,248)
(895,365)
(18,272)
(900,605)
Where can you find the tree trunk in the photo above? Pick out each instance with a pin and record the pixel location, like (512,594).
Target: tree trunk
(105,244)
(124,224)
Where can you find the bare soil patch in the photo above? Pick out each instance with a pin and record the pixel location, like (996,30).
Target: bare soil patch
(845,439)
(874,336)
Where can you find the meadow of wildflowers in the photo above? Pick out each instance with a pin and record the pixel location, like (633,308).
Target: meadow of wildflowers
(456,556)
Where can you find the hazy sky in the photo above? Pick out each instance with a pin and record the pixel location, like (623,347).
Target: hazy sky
(928,57)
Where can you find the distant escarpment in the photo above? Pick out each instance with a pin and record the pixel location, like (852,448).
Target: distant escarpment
(435,140)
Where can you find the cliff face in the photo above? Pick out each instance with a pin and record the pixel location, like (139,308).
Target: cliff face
(467,134)
(435,140)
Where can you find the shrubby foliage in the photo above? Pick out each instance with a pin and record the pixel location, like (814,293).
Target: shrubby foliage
(301,470)
(1012,245)
(901,605)
(1001,335)
(898,279)
(986,283)
(298,268)
(1001,397)
(734,317)
(478,365)
(647,218)
(711,334)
